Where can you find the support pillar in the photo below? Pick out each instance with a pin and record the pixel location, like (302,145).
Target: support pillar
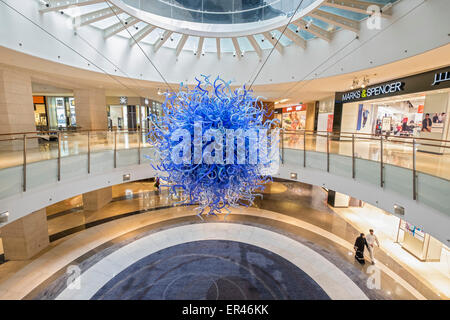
(95,200)
(90,106)
(24,238)
(16,107)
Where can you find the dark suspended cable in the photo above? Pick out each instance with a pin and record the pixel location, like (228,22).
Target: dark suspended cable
(137,43)
(107,59)
(276,43)
(321,64)
(69,47)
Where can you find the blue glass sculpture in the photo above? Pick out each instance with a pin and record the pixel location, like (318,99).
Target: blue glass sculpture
(198,154)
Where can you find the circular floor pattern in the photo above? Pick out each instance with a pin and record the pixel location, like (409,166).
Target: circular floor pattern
(212,270)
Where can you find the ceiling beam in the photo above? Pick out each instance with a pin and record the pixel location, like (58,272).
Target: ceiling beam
(313,29)
(119,26)
(255,45)
(200,46)
(95,16)
(57,5)
(353,5)
(161,40)
(273,41)
(181,44)
(295,37)
(334,19)
(141,34)
(237,48)
(218,47)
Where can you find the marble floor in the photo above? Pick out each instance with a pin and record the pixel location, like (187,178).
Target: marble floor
(296,210)
(395,152)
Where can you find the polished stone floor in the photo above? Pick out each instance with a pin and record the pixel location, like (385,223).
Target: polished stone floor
(296,210)
(212,270)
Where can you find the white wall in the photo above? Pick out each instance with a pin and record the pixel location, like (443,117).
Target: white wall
(421,30)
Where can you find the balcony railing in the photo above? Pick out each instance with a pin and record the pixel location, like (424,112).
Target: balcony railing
(99,148)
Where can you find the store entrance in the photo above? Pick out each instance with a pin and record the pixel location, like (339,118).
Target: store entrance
(398,116)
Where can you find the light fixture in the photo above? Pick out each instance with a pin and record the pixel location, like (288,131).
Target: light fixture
(4,217)
(354,84)
(365,82)
(308,24)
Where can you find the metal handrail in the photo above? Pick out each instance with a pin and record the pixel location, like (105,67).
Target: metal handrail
(353,138)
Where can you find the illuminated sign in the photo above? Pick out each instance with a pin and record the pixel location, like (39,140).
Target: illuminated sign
(300,107)
(374,91)
(123,100)
(441,77)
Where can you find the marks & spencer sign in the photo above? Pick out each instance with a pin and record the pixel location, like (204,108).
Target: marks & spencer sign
(374,91)
(432,80)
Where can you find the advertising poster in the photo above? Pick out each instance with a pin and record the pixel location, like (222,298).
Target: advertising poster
(61,112)
(330,123)
(73,119)
(363,118)
(294,118)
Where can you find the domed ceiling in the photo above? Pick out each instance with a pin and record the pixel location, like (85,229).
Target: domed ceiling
(219,26)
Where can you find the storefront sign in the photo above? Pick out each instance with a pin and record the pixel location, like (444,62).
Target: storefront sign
(375,91)
(441,77)
(123,100)
(427,81)
(300,107)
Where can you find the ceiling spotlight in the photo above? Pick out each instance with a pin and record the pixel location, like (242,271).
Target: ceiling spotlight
(234,54)
(296,31)
(262,40)
(273,37)
(242,53)
(308,24)
(365,82)
(203,53)
(137,28)
(171,39)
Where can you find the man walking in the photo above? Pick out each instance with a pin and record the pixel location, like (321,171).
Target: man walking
(371,239)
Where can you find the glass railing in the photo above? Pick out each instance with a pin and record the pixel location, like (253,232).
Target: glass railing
(70,154)
(419,155)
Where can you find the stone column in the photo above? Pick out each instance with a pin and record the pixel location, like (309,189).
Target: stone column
(90,108)
(25,237)
(16,107)
(97,199)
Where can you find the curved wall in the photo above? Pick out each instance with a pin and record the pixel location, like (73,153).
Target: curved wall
(430,211)
(403,35)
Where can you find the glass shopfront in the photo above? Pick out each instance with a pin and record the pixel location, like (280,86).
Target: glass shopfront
(40,113)
(411,106)
(133,117)
(53,113)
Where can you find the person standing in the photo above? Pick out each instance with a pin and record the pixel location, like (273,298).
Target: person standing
(371,240)
(359,248)
(426,123)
